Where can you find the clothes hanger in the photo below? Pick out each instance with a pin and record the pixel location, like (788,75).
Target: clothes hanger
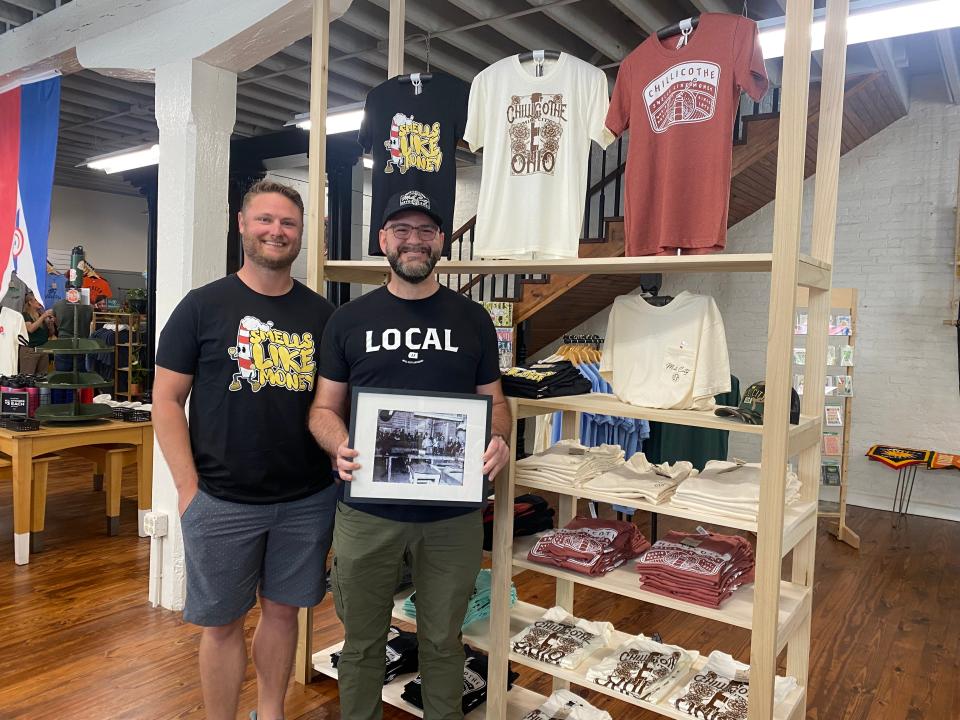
(538,56)
(684,28)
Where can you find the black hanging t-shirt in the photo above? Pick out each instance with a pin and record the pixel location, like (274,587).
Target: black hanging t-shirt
(413,139)
(253,362)
(443,343)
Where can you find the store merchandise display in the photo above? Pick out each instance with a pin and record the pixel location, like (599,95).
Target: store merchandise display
(544,380)
(729,489)
(412,129)
(531,514)
(643,668)
(534,123)
(565,705)
(478,608)
(13,336)
(679,100)
(568,463)
(701,568)
(721,689)
(591,546)
(474,682)
(750,409)
(561,639)
(401,658)
(638,478)
(672,356)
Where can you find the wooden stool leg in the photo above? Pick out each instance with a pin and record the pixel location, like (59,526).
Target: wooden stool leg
(113,478)
(38,500)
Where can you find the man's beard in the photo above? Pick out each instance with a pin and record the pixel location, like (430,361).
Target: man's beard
(415,271)
(251,252)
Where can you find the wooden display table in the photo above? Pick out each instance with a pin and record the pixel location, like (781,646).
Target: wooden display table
(23,447)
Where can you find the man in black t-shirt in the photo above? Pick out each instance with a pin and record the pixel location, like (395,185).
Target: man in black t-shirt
(412,334)
(256,492)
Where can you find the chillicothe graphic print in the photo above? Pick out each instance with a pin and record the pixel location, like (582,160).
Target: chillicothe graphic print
(686,93)
(268,356)
(535,124)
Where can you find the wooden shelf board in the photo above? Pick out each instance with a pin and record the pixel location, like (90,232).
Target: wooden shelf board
(799,519)
(607,404)
(624,580)
(520,701)
(813,273)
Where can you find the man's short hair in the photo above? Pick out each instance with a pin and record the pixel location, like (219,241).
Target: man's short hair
(269,186)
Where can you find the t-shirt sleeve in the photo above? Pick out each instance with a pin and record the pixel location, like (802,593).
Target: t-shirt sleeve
(461,98)
(178,348)
(597,111)
(606,357)
(749,70)
(476,106)
(488,369)
(333,359)
(618,116)
(365,134)
(713,361)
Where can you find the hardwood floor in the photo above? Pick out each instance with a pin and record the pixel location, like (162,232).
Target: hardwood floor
(79,640)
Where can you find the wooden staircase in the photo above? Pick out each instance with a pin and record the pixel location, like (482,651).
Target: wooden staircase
(555,307)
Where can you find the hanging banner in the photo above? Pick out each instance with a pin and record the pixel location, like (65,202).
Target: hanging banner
(29,122)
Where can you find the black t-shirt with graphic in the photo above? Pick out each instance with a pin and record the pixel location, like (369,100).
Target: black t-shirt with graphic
(253,362)
(414,139)
(443,343)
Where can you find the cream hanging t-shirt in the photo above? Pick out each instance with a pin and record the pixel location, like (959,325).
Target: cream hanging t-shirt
(672,357)
(535,133)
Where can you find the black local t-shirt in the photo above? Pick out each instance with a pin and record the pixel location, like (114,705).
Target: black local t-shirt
(414,140)
(443,343)
(253,361)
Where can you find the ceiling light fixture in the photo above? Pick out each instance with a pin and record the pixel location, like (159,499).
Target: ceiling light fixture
(346,118)
(869,20)
(121,160)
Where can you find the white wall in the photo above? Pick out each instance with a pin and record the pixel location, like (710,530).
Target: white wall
(895,244)
(112,228)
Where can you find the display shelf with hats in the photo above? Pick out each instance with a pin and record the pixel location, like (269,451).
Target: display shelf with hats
(838,392)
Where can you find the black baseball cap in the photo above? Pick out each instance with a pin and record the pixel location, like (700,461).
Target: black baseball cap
(750,409)
(410,200)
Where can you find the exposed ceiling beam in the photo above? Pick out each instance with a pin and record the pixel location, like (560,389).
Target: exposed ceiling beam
(719,6)
(948,63)
(10,13)
(614,42)
(645,16)
(37,6)
(882,51)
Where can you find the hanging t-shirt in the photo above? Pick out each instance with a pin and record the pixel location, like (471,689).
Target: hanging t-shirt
(413,139)
(679,105)
(443,343)
(535,133)
(253,366)
(12,328)
(672,356)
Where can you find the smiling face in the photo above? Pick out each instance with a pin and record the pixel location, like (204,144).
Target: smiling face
(413,258)
(271,226)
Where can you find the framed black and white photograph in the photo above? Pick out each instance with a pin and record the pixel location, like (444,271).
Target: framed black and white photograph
(418,447)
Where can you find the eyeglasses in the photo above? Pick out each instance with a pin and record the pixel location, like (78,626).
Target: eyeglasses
(425,232)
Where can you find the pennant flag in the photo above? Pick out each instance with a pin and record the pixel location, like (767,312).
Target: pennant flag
(29,122)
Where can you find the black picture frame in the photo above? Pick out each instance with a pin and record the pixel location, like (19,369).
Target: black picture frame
(411,449)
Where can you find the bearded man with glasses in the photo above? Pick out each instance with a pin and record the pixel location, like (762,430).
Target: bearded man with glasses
(411,334)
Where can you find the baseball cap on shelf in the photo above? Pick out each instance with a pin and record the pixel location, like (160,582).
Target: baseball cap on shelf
(750,409)
(410,200)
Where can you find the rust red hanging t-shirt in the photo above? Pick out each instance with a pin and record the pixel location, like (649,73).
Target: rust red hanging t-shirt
(679,105)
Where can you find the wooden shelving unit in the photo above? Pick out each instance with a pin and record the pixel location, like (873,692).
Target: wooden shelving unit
(135,322)
(776,609)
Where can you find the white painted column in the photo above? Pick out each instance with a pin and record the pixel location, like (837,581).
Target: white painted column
(196,112)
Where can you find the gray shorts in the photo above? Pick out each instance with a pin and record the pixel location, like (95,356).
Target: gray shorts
(232,548)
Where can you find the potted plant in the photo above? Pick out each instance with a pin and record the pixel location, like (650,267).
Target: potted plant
(137,300)
(138,376)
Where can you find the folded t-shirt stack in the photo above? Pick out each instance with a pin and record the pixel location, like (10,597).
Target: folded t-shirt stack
(643,668)
(479,606)
(545,380)
(402,654)
(565,705)
(560,639)
(637,478)
(568,463)
(531,514)
(474,682)
(701,568)
(592,546)
(722,689)
(729,489)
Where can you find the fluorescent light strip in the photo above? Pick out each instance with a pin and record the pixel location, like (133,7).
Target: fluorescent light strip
(125,159)
(336,123)
(872,21)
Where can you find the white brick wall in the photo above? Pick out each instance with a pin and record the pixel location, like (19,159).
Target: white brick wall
(895,244)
